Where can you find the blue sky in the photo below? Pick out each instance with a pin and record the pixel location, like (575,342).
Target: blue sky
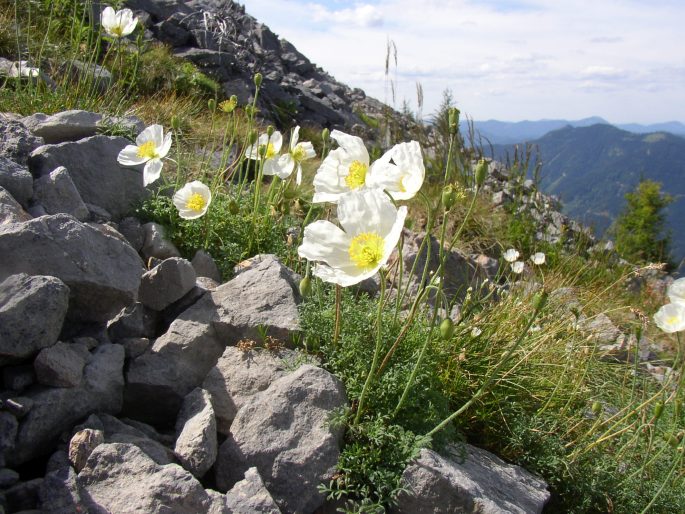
(511,60)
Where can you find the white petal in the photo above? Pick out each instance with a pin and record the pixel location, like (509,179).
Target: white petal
(252,152)
(276,140)
(129,156)
(393,236)
(298,176)
(147,135)
(286,164)
(152,170)
(130,27)
(352,145)
(323,241)
(163,150)
(308,148)
(295,137)
(107,17)
(344,277)
(368,210)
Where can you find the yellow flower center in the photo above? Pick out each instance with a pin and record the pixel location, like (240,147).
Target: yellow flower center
(366,250)
(672,320)
(357,175)
(147,150)
(298,153)
(196,202)
(228,105)
(268,151)
(117,31)
(403,188)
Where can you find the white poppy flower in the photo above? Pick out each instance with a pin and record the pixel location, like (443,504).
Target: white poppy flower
(538,258)
(269,149)
(118,24)
(517,267)
(22,69)
(298,152)
(671,318)
(511,255)
(371,227)
(343,170)
(400,171)
(150,148)
(676,291)
(192,200)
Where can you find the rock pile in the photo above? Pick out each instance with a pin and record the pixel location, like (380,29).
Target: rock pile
(127,389)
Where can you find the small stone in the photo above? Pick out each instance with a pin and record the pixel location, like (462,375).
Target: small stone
(17,180)
(56,192)
(133,321)
(166,283)
(251,496)
(59,366)
(205,266)
(82,445)
(18,406)
(155,244)
(10,210)
(196,444)
(135,346)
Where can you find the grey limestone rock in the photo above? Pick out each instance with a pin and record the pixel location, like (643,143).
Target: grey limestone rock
(32,311)
(237,376)
(10,210)
(205,266)
(16,141)
(474,481)
(59,365)
(250,496)
(265,296)
(284,432)
(196,443)
(165,283)
(155,244)
(73,125)
(133,321)
(93,167)
(57,409)
(102,272)
(132,230)
(16,179)
(57,193)
(600,327)
(121,478)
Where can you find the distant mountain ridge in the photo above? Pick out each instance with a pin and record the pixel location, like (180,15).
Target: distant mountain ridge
(591,168)
(508,132)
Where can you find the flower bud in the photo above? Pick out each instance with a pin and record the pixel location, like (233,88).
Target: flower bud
(253,137)
(453,120)
(481,172)
(449,197)
(539,300)
(596,408)
(306,286)
(270,130)
(672,439)
(175,122)
(446,329)
(211,103)
(233,207)
(258,79)
(658,410)
(325,134)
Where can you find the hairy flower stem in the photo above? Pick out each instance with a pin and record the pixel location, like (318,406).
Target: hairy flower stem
(376,352)
(338,301)
(490,379)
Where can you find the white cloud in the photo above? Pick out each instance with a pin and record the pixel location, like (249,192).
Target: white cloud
(364,15)
(504,59)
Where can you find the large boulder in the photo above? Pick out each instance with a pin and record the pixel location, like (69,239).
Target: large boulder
(472,481)
(285,433)
(16,141)
(121,478)
(32,311)
(57,193)
(74,125)
(61,365)
(265,296)
(102,272)
(93,167)
(165,283)
(56,410)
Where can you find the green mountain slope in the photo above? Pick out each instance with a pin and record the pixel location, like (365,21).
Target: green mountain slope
(591,169)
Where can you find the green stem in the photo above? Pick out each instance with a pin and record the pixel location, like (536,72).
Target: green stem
(376,352)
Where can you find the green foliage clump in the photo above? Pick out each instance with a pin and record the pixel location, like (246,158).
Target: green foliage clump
(640,228)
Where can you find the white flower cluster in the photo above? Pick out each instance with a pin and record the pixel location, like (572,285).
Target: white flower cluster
(517,266)
(671,317)
(268,149)
(371,223)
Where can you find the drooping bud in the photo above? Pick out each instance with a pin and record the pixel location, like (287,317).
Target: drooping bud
(306,286)
(658,410)
(596,408)
(539,300)
(175,122)
(447,329)
(258,79)
(211,103)
(325,134)
(481,172)
(270,130)
(453,117)
(233,207)
(449,197)
(672,439)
